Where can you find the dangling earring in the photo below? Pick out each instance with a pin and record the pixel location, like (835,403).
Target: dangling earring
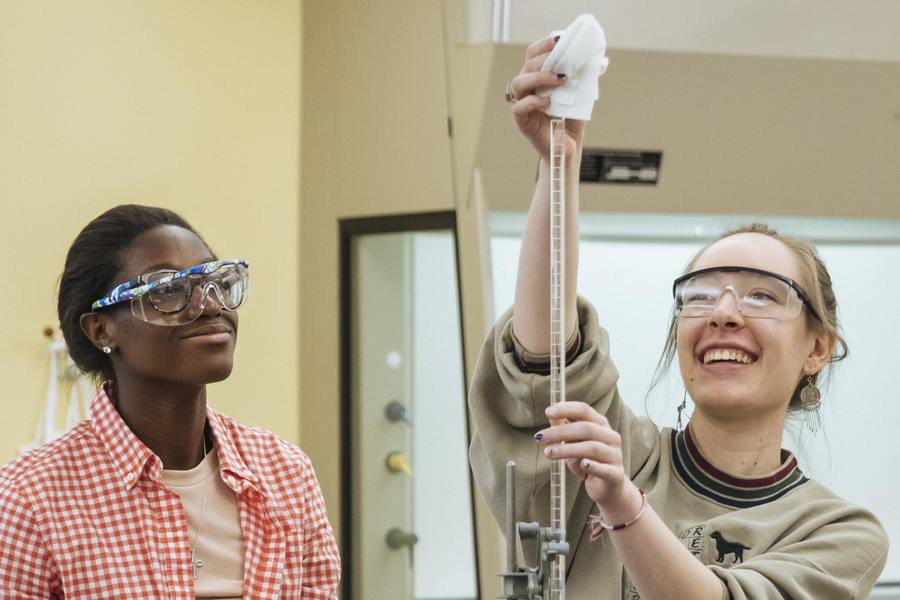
(681,408)
(810,402)
(106,350)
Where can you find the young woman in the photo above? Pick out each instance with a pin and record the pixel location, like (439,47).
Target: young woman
(158,495)
(718,510)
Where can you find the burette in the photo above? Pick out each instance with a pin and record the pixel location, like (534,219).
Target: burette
(546,580)
(579,53)
(557,574)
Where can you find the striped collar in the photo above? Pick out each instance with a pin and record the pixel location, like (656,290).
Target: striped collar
(705,480)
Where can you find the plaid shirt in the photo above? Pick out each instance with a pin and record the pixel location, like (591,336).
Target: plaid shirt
(86,516)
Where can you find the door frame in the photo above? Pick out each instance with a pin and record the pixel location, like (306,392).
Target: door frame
(349,229)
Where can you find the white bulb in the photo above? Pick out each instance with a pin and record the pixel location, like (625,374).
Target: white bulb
(393,359)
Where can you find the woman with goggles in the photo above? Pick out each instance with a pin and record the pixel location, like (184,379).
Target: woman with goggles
(712,509)
(158,495)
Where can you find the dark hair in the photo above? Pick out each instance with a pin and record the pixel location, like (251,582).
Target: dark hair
(92,263)
(817,283)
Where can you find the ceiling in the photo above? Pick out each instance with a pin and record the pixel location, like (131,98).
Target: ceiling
(834,29)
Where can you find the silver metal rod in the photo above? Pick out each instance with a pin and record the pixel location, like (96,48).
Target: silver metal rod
(510,517)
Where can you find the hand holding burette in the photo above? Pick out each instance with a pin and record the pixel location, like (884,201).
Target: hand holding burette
(560,80)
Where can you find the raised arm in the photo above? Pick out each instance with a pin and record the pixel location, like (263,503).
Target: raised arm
(511,388)
(531,312)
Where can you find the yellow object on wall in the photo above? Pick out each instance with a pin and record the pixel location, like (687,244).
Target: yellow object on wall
(194,106)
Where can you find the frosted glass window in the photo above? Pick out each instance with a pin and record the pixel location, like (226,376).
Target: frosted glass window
(626,270)
(444,561)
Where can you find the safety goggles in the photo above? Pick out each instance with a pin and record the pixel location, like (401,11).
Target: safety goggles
(169,297)
(759,294)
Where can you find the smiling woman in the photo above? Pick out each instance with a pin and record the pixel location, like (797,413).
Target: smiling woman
(768,306)
(158,494)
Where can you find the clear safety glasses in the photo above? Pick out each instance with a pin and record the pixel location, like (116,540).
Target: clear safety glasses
(759,294)
(171,298)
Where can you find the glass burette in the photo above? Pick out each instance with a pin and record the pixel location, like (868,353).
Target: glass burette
(557,582)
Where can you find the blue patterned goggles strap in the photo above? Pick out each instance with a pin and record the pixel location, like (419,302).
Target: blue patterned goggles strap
(179,281)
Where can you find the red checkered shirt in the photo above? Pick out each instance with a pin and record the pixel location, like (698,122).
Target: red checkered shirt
(86,516)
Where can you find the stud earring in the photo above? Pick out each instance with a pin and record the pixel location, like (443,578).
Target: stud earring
(106,350)
(810,403)
(681,408)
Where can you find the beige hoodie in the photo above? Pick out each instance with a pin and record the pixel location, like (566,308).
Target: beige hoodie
(781,536)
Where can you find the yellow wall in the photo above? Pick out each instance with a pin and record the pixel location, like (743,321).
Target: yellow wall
(190,105)
(375,142)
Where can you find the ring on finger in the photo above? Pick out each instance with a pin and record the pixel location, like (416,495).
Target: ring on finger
(508,96)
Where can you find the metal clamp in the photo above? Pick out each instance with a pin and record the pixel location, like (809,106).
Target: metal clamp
(521,581)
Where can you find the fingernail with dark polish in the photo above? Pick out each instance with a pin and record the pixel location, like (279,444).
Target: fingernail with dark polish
(560,75)
(538,436)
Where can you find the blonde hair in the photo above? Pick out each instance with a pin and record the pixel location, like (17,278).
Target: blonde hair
(817,284)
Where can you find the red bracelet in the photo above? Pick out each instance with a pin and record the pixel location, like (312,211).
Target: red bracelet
(599,525)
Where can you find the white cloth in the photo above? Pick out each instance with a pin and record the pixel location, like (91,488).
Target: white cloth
(580,54)
(80,394)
